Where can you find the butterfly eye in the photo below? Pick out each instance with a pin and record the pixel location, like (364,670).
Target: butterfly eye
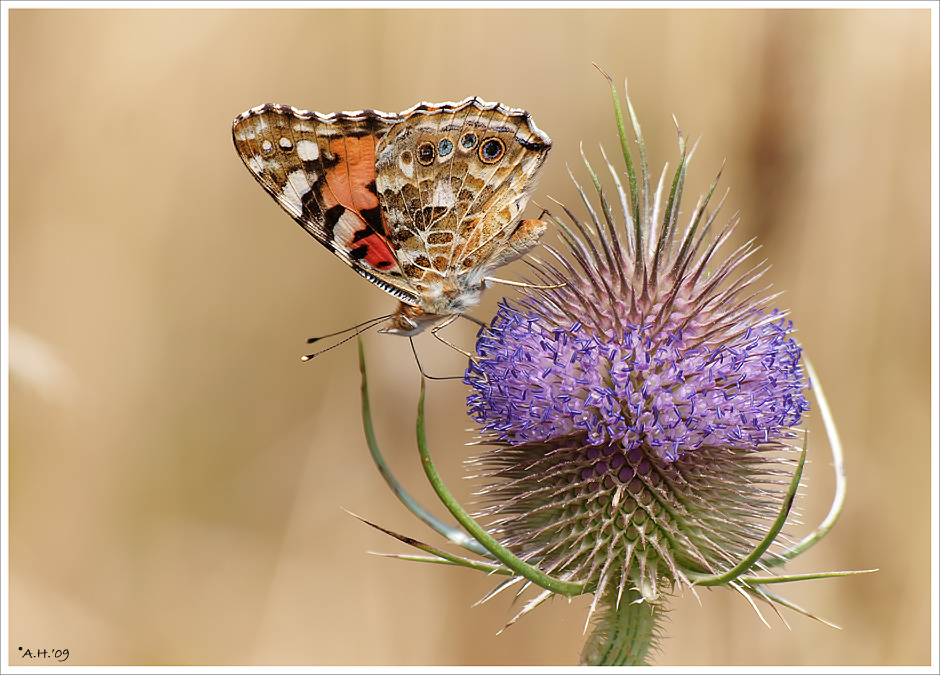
(468,141)
(444,148)
(425,154)
(491,150)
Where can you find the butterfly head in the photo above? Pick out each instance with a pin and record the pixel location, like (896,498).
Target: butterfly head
(409,320)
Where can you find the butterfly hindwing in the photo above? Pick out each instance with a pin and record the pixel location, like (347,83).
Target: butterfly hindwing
(452,180)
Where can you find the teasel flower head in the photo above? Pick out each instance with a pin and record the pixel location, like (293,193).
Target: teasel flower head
(642,400)
(640,407)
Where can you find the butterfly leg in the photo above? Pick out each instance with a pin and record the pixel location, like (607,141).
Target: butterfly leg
(481,324)
(446,322)
(522,284)
(421,368)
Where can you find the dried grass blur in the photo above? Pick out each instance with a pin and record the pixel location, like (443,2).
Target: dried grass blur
(177,476)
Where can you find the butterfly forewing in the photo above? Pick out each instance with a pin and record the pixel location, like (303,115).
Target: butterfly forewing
(423,203)
(321,170)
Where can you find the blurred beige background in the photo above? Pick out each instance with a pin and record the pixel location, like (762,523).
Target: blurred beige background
(178,476)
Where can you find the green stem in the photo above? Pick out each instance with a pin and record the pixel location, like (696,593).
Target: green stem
(517,565)
(451,533)
(623,635)
(754,556)
(838,500)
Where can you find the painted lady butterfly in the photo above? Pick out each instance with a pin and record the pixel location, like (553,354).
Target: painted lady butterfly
(423,203)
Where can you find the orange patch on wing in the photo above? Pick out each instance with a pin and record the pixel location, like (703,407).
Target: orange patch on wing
(351,184)
(350,179)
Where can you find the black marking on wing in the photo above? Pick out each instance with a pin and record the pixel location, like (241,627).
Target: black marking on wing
(332,216)
(373,218)
(359,252)
(361,234)
(532,145)
(312,213)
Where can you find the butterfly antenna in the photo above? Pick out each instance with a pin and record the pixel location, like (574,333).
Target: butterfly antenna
(367,324)
(358,330)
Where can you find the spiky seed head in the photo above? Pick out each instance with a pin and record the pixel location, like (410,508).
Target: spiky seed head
(640,413)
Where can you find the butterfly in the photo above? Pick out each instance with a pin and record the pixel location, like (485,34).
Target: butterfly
(425,203)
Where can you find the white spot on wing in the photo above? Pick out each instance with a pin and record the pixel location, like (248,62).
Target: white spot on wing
(307,150)
(346,227)
(256,164)
(249,129)
(406,168)
(296,187)
(443,195)
(407,255)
